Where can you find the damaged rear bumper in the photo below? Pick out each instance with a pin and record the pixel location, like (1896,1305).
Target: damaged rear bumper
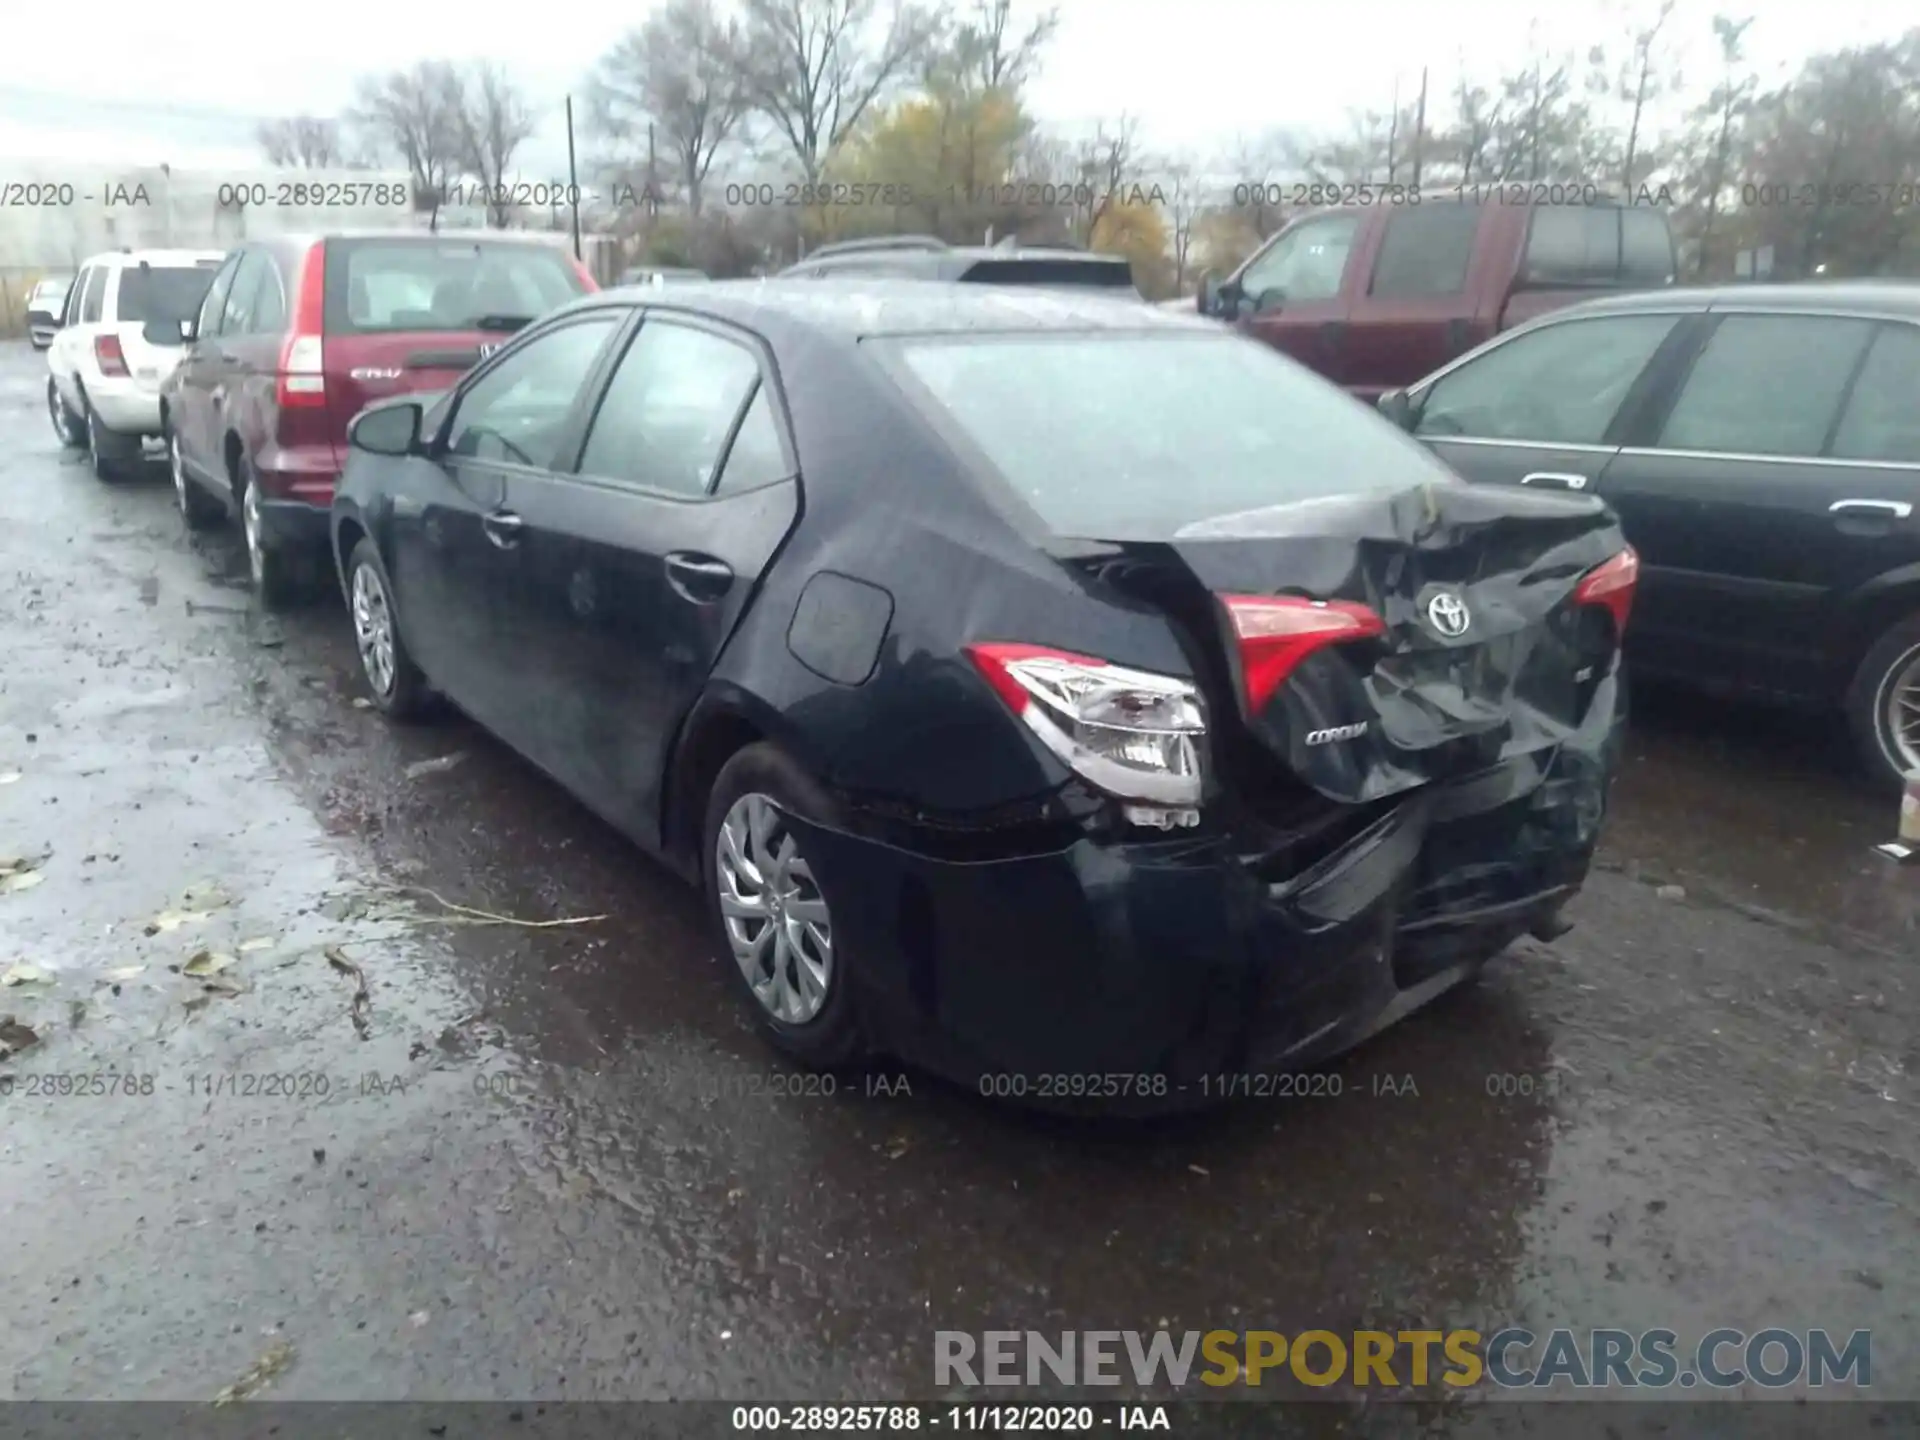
(1053,977)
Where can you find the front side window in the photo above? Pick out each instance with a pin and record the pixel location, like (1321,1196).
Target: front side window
(1426,250)
(1306,262)
(669,409)
(516,412)
(240,300)
(216,302)
(71,315)
(1120,436)
(1559,385)
(1766,385)
(1882,418)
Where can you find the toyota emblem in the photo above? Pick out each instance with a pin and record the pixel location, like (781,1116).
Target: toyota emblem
(1448,614)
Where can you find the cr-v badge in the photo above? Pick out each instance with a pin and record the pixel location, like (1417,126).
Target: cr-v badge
(1337,732)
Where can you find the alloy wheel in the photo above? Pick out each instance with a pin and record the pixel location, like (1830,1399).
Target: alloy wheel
(1900,718)
(58,413)
(373,628)
(775,916)
(256,550)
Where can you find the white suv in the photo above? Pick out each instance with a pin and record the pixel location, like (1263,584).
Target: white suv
(119,338)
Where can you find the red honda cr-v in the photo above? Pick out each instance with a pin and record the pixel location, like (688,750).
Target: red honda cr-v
(298,334)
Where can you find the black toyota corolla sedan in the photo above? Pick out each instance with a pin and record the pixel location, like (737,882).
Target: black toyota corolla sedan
(1079,699)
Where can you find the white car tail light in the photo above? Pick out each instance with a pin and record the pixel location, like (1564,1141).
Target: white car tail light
(108,355)
(1131,733)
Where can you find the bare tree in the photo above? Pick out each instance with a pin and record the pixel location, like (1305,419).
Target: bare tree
(1640,81)
(1105,162)
(1732,98)
(988,53)
(492,120)
(677,77)
(416,114)
(813,68)
(302,142)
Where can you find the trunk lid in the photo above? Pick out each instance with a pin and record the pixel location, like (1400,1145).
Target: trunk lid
(363,369)
(1371,643)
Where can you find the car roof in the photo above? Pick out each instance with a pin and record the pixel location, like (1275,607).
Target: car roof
(463,236)
(1895,299)
(154,257)
(859,308)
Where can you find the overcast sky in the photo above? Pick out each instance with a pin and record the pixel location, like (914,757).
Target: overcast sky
(155,83)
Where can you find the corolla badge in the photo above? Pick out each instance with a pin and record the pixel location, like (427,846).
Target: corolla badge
(1448,614)
(1338,732)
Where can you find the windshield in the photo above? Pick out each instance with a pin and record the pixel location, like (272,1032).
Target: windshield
(1131,437)
(421,285)
(162,292)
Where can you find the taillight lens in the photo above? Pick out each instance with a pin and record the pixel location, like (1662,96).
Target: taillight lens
(303,357)
(1611,585)
(110,357)
(1131,733)
(1277,632)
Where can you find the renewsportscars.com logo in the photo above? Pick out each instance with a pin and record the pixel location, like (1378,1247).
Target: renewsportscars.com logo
(1511,1358)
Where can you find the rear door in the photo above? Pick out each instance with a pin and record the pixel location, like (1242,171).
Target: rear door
(218,364)
(191,412)
(452,555)
(1415,312)
(1778,481)
(1294,293)
(405,314)
(633,571)
(62,355)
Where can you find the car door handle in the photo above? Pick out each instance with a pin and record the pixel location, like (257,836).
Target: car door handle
(699,578)
(1559,478)
(1886,509)
(503,528)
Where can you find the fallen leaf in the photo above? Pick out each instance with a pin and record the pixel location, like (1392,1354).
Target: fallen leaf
(897,1147)
(8,777)
(360,702)
(21,880)
(262,1372)
(1199,1169)
(76,1013)
(15,1037)
(24,974)
(436,766)
(168,920)
(259,942)
(11,863)
(206,962)
(125,972)
(418,1318)
(222,987)
(203,897)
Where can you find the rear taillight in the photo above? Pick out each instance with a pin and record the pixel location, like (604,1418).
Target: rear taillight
(303,374)
(109,356)
(1131,733)
(1277,632)
(1611,585)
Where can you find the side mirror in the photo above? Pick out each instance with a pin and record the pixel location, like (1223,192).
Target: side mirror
(1270,299)
(1206,298)
(167,332)
(387,429)
(1397,407)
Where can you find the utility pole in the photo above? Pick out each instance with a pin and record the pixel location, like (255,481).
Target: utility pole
(1419,127)
(573,181)
(1393,129)
(653,195)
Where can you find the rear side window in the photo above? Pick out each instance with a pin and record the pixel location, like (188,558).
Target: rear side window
(1093,275)
(71,314)
(1426,250)
(1138,437)
(669,409)
(1766,385)
(1882,418)
(1598,245)
(755,457)
(1561,384)
(96,291)
(376,286)
(161,292)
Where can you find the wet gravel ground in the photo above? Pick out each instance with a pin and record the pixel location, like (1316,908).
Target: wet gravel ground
(557,1164)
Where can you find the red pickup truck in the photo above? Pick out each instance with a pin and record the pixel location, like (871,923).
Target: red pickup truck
(1376,298)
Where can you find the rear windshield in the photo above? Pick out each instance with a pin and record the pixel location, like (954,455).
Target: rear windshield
(430,285)
(162,292)
(1136,437)
(1599,245)
(1073,274)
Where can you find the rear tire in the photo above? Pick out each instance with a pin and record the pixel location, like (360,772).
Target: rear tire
(395,684)
(108,451)
(279,579)
(762,902)
(67,427)
(1883,706)
(198,509)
